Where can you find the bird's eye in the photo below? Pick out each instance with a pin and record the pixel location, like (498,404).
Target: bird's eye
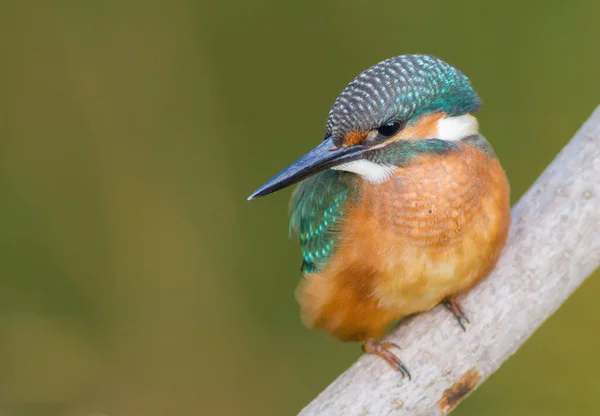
(390,129)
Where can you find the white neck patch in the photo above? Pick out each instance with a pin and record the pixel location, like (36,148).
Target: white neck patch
(456,128)
(370,171)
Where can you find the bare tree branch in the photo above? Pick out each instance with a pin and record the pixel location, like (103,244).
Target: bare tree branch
(554,244)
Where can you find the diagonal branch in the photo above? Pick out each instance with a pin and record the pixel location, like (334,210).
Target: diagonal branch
(554,244)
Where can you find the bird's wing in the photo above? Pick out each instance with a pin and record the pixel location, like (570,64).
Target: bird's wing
(317,205)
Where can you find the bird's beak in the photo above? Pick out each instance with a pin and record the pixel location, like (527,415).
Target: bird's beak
(326,155)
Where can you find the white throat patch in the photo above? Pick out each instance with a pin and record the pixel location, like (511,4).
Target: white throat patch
(370,171)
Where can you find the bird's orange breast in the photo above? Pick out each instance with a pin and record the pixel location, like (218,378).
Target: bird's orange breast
(431,231)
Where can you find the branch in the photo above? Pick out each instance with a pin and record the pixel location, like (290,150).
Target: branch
(554,244)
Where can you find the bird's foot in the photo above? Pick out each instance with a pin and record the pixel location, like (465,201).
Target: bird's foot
(382,350)
(453,304)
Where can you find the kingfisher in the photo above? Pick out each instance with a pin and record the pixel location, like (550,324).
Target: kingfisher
(403,206)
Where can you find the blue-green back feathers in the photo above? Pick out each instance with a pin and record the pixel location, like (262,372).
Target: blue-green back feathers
(317,205)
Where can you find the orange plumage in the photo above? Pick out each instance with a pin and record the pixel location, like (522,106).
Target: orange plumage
(432,231)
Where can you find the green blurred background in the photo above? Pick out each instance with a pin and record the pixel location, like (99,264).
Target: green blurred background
(135,279)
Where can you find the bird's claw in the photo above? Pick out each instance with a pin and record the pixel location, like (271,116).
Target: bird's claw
(453,304)
(382,350)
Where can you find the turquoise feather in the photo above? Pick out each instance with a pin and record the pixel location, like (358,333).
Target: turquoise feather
(317,205)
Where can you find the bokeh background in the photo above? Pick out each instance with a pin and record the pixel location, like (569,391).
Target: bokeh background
(135,279)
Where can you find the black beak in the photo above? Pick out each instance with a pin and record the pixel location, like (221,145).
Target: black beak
(324,156)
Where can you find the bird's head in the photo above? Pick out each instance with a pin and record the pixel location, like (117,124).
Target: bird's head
(409,97)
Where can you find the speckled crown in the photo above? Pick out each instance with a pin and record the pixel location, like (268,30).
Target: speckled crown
(401,88)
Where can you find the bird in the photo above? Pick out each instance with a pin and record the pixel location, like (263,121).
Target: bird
(403,206)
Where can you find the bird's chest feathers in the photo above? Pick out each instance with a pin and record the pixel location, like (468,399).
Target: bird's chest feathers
(434,221)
